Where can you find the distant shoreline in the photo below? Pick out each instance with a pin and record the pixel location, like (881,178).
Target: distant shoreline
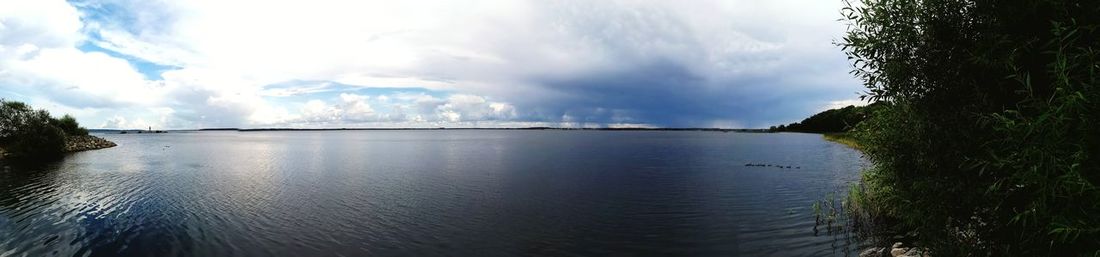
(528,128)
(383,129)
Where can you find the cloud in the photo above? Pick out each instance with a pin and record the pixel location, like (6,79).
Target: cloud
(80,79)
(418,110)
(843,103)
(349,108)
(435,63)
(42,24)
(119,122)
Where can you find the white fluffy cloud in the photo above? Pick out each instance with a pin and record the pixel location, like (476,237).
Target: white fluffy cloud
(38,56)
(620,63)
(85,79)
(418,110)
(42,24)
(40,63)
(349,108)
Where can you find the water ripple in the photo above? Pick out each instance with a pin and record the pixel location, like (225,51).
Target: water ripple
(410,193)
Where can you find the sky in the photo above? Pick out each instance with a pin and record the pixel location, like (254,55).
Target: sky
(448,63)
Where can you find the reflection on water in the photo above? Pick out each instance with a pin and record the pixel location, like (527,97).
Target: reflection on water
(428,193)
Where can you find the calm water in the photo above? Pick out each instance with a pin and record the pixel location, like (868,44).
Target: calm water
(428,193)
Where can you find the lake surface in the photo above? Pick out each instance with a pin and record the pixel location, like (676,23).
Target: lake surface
(429,193)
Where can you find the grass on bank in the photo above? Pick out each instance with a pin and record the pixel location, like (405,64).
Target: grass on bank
(842,138)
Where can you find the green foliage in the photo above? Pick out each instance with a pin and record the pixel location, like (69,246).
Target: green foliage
(26,133)
(987,140)
(830,121)
(69,125)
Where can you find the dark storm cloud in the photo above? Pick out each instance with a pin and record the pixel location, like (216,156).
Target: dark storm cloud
(738,63)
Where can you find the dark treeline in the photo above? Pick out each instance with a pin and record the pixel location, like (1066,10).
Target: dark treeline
(26,133)
(830,121)
(987,140)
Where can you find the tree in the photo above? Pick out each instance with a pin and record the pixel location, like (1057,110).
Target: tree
(69,125)
(26,133)
(831,121)
(987,142)
(12,114)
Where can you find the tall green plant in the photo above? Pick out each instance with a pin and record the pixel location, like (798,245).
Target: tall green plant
(987,143)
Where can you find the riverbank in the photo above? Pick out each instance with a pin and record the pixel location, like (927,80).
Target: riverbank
(883,249)
(842,138)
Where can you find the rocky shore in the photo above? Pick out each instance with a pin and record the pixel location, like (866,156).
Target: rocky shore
(77,144)
(84,143)
(897,250)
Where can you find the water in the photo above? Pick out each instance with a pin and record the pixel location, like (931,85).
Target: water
(428,193)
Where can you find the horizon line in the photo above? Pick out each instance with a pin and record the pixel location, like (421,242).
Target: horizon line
(441,128)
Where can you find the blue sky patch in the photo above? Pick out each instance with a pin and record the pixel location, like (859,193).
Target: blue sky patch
(150,70)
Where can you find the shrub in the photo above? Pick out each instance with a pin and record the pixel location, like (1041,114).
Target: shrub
(26,133)
(38,140)
(987,143)
(69,125)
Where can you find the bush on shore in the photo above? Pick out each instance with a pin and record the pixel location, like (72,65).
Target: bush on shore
(26,133)
(69,125)
(987,142)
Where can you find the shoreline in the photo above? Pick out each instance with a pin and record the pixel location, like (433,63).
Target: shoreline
(897,249)
(76,144)
(505,128)
(842,138)
(84,143)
